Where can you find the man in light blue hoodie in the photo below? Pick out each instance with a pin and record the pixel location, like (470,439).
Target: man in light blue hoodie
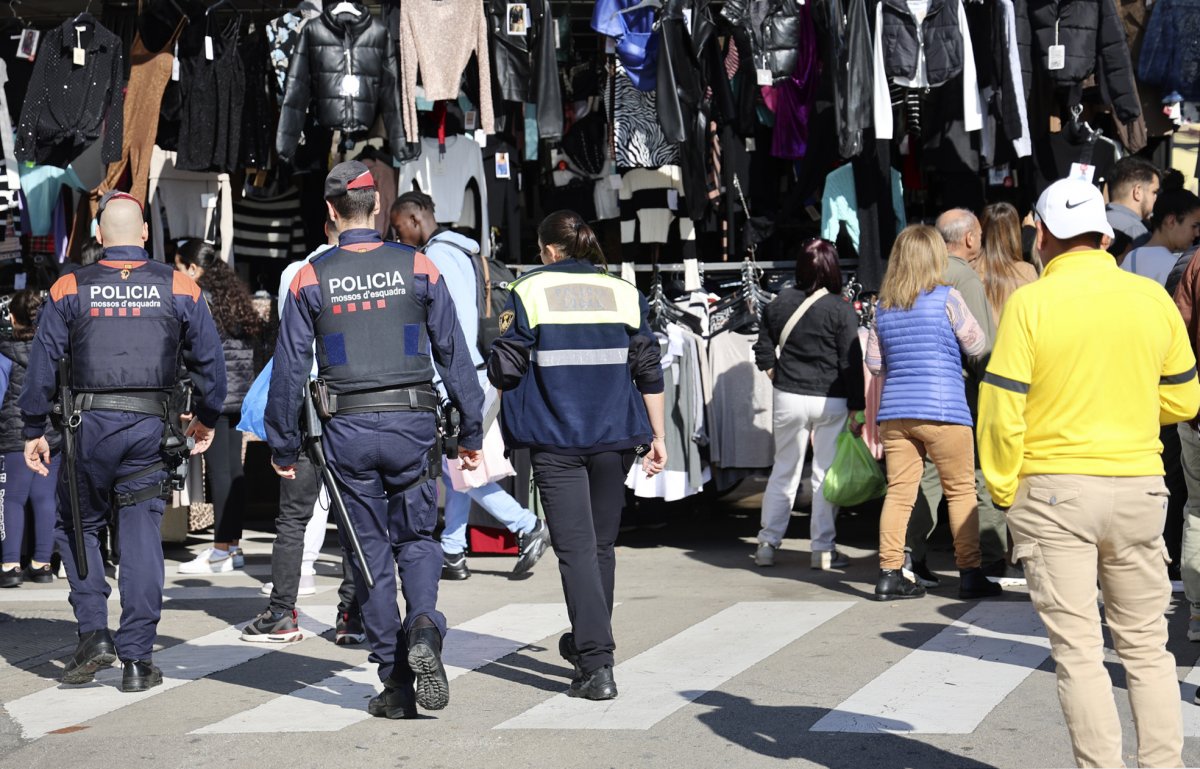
(414,224)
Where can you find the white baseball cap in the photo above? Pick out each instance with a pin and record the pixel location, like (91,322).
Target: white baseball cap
(1072,207)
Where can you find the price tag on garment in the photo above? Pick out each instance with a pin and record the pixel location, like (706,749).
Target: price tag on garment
(997,175)
(28,45)
(470,118)
(765,77)
(350,85)
(557,39)
(208,47)
(751,145)
(208,200)
(673,200)
(1082,172)
(175,64)
(78,56)
(503,169)
(1056,57)
(614,181)
(19,281)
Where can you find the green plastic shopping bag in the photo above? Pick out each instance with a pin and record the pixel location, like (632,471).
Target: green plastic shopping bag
(854,477)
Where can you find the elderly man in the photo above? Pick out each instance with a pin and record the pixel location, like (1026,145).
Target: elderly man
(1069,416)
(964,241)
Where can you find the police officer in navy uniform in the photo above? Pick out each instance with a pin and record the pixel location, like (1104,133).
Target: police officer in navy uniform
(125,321)
(382,318)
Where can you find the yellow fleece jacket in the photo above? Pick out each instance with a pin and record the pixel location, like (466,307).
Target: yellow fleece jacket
(1089,361)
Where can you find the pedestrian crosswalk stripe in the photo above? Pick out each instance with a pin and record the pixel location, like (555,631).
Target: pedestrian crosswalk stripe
(341,700)
(58,707)
(666,677)
(60,595)
(1191,712)
(951,683)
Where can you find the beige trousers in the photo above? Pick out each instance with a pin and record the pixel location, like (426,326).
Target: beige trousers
(1070,531)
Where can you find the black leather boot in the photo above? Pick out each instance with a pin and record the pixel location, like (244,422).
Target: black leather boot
(140,675)
(973,583)
(892,585)
(425,660)
(396,701)
(95,651)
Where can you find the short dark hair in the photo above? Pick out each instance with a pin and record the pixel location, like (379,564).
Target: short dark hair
(413,199)
(355,204)
(1129,171)
(90,253)
(817,267)
(1176,203)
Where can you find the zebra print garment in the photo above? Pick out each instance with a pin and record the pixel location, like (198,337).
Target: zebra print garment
(639,138)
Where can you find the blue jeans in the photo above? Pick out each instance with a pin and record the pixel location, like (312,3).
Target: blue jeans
(496,501)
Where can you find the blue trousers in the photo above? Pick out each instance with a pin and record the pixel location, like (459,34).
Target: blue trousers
(22,485)
(111,445)
(496,501)
(374,458)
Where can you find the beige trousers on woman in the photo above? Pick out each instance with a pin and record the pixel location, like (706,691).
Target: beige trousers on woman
(951,448)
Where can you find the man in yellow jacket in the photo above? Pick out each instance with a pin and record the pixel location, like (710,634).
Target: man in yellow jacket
(1089,361)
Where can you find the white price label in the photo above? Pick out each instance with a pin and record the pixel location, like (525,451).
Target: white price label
(765,77)
(1056,57)
(78,56)
(1082,172)
(350,85)
(208,47)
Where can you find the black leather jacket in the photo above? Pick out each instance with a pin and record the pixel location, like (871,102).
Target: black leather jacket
(848,57)
(316,72)
(774,31)
(525,67)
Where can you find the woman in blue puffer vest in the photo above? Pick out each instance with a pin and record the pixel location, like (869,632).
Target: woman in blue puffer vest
(922,331)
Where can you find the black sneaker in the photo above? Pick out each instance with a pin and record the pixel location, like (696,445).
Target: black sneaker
(455,566)
(12,577)
(973,583)
(892,585)
(95,651)
(597,686)
(140,675)
(567,650)
(40,574)
(531,547)
(273,628)
(425,659)
(349,630)
(918,571)
(395,701)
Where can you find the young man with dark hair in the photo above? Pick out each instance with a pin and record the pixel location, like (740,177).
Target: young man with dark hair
(1132,189)
(413,222)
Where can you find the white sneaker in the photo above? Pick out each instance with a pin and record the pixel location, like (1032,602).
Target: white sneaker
(209,561)
(765,554)
(308,586)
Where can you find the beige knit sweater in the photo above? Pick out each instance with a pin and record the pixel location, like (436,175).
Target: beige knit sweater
(438,37)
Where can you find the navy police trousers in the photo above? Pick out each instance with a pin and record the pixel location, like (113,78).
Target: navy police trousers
(375,457)
(112,445)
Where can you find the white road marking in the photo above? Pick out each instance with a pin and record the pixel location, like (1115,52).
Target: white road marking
(951,683)
(341,700)
(218,593)
(666,677)
(61,706)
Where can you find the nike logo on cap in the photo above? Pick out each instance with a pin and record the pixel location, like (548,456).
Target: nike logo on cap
(1075,205)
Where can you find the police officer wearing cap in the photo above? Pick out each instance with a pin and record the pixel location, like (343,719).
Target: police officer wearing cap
(382,318)
(125,322)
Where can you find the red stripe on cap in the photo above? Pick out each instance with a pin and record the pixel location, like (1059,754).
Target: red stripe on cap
(362,180)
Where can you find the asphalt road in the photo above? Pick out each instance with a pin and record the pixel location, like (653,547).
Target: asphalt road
(720,664)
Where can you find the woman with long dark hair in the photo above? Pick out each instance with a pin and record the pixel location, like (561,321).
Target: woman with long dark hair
(1000,265)
(808,344)
(582,387)
(240,327)
(19,483)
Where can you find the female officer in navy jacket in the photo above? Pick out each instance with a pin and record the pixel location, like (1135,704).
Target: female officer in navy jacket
(583,389)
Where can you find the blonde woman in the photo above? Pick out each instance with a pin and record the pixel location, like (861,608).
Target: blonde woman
(922,331)
(1000,265)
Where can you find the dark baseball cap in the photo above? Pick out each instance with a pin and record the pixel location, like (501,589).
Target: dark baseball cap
(351,175)
(115,195)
